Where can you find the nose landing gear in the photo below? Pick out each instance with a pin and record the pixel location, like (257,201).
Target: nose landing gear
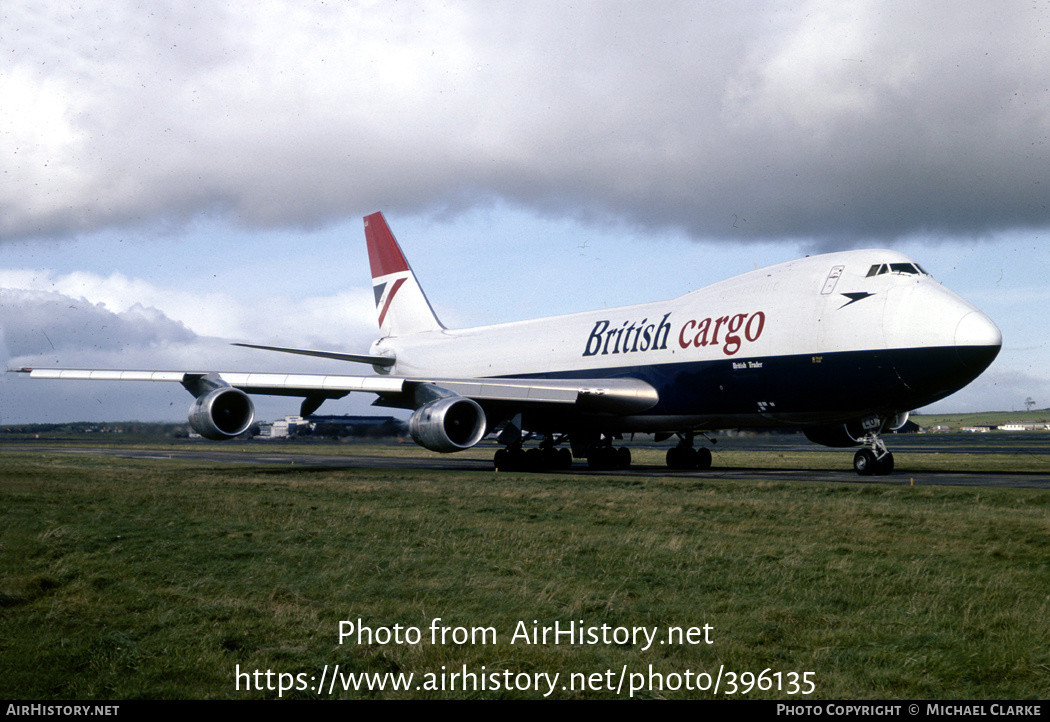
(875,460)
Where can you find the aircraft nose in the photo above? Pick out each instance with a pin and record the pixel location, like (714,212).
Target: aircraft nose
(977,340)
(976,329)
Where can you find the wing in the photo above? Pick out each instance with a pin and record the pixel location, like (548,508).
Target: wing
(222,409)
(614,396)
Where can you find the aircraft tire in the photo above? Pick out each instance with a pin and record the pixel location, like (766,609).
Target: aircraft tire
(703,459)
(509,460)
(532,460)
(684,458)
(884,466)
(864,462)
(606,458)
(672,458)
(599,459)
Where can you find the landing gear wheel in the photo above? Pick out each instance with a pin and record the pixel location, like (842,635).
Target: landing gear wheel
(674,458)
(512,459)
(607,458)
(541,459)
(884,466)
(875,459)
(534,460)
(682,458)
(686,458)
(864,462)
(623,458)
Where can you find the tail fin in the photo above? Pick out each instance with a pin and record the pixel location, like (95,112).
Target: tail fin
(402,306)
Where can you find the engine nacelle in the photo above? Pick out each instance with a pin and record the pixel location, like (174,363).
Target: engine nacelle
(896,422)
(449,424)
(222,414)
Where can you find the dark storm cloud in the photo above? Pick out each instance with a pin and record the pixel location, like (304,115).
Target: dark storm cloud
(836,122)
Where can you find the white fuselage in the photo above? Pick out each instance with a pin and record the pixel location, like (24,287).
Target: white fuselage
(762,333)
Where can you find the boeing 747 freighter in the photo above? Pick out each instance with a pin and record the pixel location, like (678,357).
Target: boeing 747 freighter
(840,346)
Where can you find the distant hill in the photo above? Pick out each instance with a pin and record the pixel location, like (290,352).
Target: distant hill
(983,418)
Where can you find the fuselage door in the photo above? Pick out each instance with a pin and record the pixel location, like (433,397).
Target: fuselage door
(832,280)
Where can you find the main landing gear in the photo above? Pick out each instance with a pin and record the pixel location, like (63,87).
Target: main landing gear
(684,457)
(548,457)
(544,458)
(598,449)
(515,458)
(875,460)
(603,456)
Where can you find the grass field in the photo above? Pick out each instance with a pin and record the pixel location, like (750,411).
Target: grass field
(160,579)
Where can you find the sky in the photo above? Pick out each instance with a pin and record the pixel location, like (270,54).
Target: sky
(177,177)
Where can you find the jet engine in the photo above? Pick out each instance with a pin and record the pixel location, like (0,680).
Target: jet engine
(222,413)
(453,423)
(851,433)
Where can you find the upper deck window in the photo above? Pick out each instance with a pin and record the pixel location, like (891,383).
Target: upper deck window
(912,269)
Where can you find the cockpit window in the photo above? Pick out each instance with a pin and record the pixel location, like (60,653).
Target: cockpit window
(912,269)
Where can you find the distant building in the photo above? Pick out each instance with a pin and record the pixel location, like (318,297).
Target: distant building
(281,429)
(1024,427)
(332,427)
(369,426)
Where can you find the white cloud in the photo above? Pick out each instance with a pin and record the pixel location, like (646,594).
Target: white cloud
(832,121)
(83,320)
(341,321)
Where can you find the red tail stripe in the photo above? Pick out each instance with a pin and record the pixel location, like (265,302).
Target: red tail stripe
(389,298)
(384,255)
